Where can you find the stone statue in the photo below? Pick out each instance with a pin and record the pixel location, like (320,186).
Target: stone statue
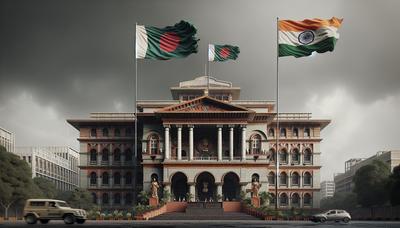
(154,188)
(255,187)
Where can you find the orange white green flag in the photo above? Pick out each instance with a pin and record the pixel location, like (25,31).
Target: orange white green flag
(302,38)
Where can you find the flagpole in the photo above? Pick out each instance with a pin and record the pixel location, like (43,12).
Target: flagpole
(136,119)
(277,116)
(208,71)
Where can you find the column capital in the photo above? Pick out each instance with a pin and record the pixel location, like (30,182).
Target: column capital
(243,126)
(191,183)
(167,125)
(178,126)
(231,126)
(190,126)
(220,126)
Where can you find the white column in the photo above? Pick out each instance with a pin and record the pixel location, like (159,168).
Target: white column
(231,143)
(179,143)
(244,143)
(192,191)
(190,142)
(219,190)
(219,143)
(166,143)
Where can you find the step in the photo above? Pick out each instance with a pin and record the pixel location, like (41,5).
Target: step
(200,216)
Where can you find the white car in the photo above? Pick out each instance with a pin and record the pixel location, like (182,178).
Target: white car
(332,215)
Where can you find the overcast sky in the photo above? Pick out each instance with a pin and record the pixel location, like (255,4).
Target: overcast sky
(65,59)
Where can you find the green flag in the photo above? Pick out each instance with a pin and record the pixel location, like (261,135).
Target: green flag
(219,53)
(176,41)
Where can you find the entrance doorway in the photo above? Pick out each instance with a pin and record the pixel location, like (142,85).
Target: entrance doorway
(179,186)
(231,187)
(205,187)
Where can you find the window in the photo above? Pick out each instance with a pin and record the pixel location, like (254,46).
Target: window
(272,200)
(307,156)
(93,155)
(93,132)
(117,198)
(295,156)
(128,178)
(255,177)
(154,144)
(105,178)
(37,204)
(117,155)
(283,132)
(128,132)
(307,178)
(295,199)
(256,144)
(307,132)
(307,199)
(295,132)
(93,178)
(128,155)
(283,199)
(283,179)
(117,178)
(104,155)
(271,178)
(295,178)
(105,132)
(272,155)
(117,132)
(94,198)
(128,198)
(271,132)
(105,198)
(283,156)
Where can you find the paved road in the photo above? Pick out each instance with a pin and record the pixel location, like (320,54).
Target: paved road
(216,224)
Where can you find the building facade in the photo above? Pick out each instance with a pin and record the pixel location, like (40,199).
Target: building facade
(55,163)
(204,144)
(344,181)
(327,189)
(7,140)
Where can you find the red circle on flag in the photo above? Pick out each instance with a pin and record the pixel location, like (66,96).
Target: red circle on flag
(224,52)
(169,41)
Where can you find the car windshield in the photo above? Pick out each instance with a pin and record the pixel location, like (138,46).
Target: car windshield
(62,204)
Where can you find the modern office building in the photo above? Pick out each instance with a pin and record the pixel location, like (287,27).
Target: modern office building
(327,189)
(7,140)
(344,181)
(58,164)
(206,143)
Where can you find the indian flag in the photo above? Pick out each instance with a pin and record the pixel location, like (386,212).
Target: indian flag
(301,38)
(219,53)
(176,41)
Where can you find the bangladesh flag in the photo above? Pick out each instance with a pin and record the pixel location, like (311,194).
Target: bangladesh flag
(302,38)
(176,41)
(219,53)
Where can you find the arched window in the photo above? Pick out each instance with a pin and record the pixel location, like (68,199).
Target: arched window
(283,199)
(295,132)
(93,155)
(154,144)
(105,178)
(283,179)
(94,197)
(283,156)
(105,132)
(307,178)
(272,155)
(271,178)
(154,176)
(104,155)
(295,156)
(128,132)
(295,179)
(117,178)
(128,199)
(272,199)
(93,132)
(105,198)
(117,198)
(271,132)
(307,156)
(128,178)
(306,132)
(93,178)
(283,133)
(117,155)
(295,199)
(255,176)
(128,155)
(307,199)
(255,144)
(117,132)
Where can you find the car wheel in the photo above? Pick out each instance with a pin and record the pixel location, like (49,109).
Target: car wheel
(69,219)
(80,221)
(31,219)
(44,221)
(322,220)
(346,220)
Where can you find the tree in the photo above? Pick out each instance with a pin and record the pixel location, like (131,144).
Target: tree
(347,200)
(46,187)
(15,180)
(78,198)
(371,183)
(394,186)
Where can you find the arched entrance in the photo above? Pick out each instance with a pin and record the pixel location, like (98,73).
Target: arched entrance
(231,187)
(179,186)
(205,186)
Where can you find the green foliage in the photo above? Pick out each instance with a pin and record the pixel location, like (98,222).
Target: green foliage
(340,200)
(78,198)
(265,197)
(46,187)
(394,186)
(189,197)
(371,183)
(140,209)
(166,196)
(242,195)
(143,197)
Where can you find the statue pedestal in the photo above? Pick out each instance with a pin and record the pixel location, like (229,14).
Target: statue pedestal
(255,201)
(153,201)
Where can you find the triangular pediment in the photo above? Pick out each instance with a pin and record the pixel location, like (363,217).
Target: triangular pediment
(203,104)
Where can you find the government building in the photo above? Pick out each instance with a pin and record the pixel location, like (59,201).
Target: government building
(203,145)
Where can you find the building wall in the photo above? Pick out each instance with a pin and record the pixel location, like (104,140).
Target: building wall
(7,140)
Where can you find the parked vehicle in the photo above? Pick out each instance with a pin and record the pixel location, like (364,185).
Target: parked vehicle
(44,210)
(332,215)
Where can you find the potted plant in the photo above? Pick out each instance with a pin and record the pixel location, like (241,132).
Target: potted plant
(189,197)
(128,216)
